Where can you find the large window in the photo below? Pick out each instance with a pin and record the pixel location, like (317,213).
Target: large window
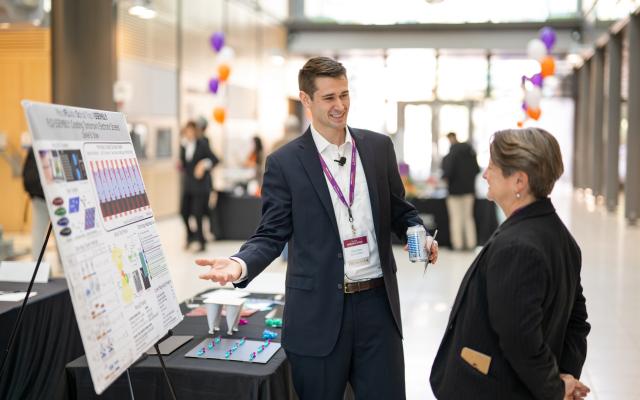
(383,12)
(409,74)
(462,77)
(417,140)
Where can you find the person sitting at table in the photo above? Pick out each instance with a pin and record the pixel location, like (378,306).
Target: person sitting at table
(518,327)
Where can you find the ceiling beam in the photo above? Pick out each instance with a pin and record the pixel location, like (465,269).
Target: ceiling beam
(309,37)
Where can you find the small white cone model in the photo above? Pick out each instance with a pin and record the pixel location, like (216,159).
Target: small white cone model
(233,307)
(213,317)
(233,315)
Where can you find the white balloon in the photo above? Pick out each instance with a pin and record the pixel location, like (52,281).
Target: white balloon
(226,54)
(532,97)
(536,49)
(550,85)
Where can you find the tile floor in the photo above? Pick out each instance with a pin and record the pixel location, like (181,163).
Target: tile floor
(610,275)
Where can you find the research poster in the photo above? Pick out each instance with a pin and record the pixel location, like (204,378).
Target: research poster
(118,278)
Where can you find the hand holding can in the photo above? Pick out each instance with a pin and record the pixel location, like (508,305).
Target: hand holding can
(416,243)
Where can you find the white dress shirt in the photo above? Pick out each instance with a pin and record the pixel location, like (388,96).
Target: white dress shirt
(189,149)
(360,210)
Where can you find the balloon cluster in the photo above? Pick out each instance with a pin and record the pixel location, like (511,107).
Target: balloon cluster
(225,55)
(540,50)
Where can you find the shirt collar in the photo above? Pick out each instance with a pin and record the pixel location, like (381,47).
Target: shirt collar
(322,143)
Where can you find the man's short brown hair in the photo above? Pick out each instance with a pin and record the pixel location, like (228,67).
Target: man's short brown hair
(315,67)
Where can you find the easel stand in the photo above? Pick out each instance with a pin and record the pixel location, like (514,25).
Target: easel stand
(164,368)
(16,326)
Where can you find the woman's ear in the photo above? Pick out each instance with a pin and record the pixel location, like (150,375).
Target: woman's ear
(522,181)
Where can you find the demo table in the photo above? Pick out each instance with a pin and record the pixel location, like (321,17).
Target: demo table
(195,378)
(47,340)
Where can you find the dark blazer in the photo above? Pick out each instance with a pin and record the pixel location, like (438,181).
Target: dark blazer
(190,184)
(296,207)
(460,168)
(520,303)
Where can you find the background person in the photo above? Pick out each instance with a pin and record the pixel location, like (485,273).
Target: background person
(255,159)
(460,168)
(196,160)
(39,213)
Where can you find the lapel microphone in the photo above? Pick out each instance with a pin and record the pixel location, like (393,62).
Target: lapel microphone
(341,161)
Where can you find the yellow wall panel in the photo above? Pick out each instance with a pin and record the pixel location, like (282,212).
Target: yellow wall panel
(25,73)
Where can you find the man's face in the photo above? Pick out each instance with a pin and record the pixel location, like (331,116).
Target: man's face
(329,105)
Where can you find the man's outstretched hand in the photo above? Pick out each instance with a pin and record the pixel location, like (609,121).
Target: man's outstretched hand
(221,270)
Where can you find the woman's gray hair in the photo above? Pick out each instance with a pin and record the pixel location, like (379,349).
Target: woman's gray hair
(533,151)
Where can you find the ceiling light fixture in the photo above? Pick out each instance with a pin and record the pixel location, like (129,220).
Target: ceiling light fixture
(143,9)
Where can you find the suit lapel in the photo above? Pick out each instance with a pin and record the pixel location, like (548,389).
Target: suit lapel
(467,277)
(538,208)
(308,156)
(367,157)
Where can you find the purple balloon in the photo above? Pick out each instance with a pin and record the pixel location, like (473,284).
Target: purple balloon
(548,37)
(217,41)
(537,80)
(403,169)
(213,85)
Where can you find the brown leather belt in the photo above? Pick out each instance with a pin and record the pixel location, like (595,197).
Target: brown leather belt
(355,287)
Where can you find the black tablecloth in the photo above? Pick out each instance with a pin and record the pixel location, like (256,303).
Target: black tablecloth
(195,378)
(484,212)
(238,217)
(47,340)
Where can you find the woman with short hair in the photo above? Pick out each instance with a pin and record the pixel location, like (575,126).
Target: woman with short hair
(518,326)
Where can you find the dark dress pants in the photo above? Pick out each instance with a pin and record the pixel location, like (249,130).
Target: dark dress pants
(194,204)
(368,355)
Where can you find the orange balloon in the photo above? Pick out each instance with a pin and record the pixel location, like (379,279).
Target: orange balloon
(223,72)
(520,124)
(219,115)
(547,66)
(534,113)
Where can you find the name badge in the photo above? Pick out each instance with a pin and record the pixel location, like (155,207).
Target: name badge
(356,250)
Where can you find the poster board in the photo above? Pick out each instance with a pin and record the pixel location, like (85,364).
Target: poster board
(117,274)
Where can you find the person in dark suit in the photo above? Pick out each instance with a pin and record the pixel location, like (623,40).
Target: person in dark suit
(518,326)
(335,195)
(197,160)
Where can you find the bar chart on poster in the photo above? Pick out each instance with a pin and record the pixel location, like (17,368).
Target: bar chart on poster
(120,287)
(118,183)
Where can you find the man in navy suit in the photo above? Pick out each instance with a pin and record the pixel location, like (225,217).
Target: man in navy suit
(335,195)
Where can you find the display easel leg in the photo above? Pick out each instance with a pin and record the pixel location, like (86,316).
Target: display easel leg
(164,368)
(16,326)
(130,385)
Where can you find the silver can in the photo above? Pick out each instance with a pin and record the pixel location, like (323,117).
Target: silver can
(416,241)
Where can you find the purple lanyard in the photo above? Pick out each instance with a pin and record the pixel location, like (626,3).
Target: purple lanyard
(352,179)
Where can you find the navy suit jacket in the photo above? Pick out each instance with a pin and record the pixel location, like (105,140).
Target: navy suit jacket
(297,208)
